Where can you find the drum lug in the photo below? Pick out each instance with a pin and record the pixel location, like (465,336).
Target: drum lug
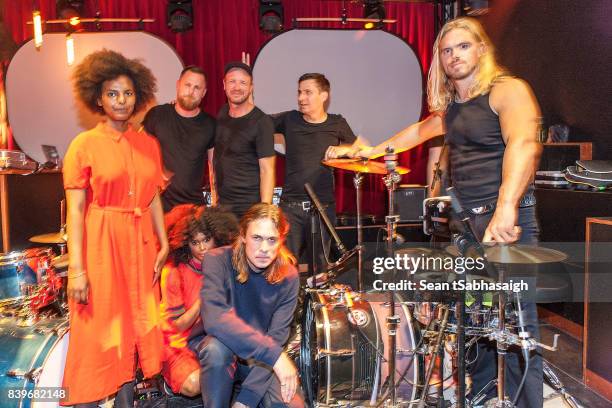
(31,375)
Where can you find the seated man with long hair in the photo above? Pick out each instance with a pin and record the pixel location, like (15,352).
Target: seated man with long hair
(248,298)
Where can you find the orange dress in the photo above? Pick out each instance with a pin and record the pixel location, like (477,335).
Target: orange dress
(121,173)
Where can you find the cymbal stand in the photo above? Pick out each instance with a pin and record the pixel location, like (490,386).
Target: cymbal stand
(502,347)
(62,246)
(391,180)
(358,182)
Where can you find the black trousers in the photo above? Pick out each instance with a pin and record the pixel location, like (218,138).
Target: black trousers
(222,373)
(484,369)
(299,239)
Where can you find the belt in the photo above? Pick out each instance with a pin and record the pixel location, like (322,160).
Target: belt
(304,205)
(526,201)
(136,211)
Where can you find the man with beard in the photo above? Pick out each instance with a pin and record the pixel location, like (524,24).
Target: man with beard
(491,122)
(244,155)
(186,134)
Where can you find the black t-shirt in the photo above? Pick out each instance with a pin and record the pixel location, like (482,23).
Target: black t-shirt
(184,142)
(239,144)
(306,144)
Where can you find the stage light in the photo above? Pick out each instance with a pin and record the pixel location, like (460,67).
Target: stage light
(179,15)
(70,10)
(271,15)
(375,10)
(476,7)
(37,22)
(69,49)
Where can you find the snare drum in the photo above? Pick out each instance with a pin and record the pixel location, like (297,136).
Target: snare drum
(21,270)
(344,348)
(32,363)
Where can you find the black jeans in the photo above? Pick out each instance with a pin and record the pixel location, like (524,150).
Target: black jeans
(221,374)
(299,239)
(484,368)
(123,399)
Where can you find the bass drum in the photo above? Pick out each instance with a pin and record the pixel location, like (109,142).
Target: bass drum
(32,362)
(344,349)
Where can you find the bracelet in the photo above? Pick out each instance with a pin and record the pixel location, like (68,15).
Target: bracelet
(78,275)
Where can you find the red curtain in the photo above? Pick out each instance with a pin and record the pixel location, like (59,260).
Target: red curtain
(223,29)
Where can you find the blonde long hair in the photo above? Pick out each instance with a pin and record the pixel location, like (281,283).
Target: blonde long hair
(440,89)
(277,270)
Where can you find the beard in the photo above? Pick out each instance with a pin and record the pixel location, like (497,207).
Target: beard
(188,103)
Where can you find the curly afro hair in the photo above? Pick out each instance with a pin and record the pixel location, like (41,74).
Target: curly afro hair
(214,222)
(101,66)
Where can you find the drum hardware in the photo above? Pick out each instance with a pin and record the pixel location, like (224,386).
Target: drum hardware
(496,261)
(330,228)
(437,349)
(342,350)
(557,385)
(360,167)
(391,180)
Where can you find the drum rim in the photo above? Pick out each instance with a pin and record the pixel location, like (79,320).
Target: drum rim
(10,258)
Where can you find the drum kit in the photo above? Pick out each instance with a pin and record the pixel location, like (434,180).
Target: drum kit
(33,322)
(369,348)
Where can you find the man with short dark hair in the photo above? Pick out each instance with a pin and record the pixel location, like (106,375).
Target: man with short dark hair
(186,134)
(308,133)
(244,157)
(248,298)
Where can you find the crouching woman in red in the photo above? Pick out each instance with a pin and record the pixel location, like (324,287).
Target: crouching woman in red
(197,230)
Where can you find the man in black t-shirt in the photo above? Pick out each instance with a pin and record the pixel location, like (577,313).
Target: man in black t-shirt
(308,133)
(186,134)
(244,156)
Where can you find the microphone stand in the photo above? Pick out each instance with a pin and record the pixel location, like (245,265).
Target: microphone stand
(314,232)
(332,231)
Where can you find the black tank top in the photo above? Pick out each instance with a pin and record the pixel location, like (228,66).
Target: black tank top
(476,151)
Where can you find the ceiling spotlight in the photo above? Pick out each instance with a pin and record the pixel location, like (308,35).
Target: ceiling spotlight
(70,10)
(179,15)
(375,10)
(271,16)
(476,7)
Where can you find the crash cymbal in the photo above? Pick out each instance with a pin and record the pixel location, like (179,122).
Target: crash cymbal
(60,262)
(51,238)
(517,254)
(362,166)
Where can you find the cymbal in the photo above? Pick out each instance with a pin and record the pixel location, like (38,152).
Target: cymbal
(517,254)
(60,262)
(51,238)
(362,166)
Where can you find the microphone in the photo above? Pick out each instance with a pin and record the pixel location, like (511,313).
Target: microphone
(332,231)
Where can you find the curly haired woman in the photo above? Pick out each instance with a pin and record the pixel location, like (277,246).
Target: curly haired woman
(193,231)
(117,240)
